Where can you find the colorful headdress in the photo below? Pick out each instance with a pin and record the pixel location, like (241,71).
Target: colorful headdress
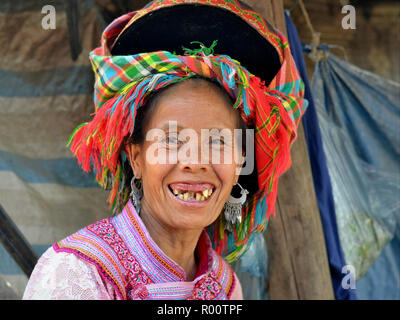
(123,83)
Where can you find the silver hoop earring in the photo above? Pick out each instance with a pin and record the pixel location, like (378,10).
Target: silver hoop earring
(136,193)
(233,209)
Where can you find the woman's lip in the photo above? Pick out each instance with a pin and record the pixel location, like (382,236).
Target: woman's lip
(191,186)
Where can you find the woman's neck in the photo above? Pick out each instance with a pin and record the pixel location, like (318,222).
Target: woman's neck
(178,245)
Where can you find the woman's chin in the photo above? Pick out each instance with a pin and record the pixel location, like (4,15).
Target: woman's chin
(189,220)
(182,218)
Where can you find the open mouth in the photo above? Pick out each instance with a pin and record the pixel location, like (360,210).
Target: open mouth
(191,193)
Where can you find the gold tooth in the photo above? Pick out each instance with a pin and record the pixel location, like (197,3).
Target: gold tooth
(198,196)
(185,196)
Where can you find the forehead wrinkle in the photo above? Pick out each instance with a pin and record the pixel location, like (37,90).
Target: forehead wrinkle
(165,126)
(166,107)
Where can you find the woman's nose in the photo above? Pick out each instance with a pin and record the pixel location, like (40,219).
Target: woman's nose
(193,156)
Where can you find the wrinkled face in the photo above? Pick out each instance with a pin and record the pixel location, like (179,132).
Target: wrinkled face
(187,170)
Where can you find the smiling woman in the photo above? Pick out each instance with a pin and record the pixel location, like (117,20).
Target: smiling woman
(181,198)
(177,221)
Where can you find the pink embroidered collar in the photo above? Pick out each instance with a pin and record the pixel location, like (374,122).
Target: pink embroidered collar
(127,257)
(152,251)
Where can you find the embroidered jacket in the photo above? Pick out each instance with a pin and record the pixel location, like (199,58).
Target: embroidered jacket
(127,258)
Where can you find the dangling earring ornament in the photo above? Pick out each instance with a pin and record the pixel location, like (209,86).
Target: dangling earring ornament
(233,209)
(136,193)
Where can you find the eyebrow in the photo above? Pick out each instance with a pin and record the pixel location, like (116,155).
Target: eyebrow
(165,127)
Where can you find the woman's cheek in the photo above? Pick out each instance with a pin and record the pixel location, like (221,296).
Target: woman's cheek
(226,175)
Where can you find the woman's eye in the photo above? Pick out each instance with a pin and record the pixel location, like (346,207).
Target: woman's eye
(217,141)
(170,140)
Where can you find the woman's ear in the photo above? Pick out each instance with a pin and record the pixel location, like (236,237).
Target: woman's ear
(240,163)
(236,180)
(133,151)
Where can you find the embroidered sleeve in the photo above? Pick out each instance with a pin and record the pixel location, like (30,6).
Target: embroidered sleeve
(237,293)
(63,276)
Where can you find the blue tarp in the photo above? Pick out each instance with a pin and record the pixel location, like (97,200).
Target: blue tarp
(359,118)
(320,173)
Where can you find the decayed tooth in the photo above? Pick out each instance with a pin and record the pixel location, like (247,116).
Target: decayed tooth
(210,192)
(175,192)
(180,196)
(185,196)
(198,196)
(202,198)
(191,194)
(205,193)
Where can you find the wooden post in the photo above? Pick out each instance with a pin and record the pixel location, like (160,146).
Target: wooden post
(16,245)
(297,259)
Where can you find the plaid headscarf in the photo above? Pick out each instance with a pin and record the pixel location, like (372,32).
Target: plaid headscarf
(123,84)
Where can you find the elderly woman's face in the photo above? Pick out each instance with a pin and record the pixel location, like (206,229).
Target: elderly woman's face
(190,187)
